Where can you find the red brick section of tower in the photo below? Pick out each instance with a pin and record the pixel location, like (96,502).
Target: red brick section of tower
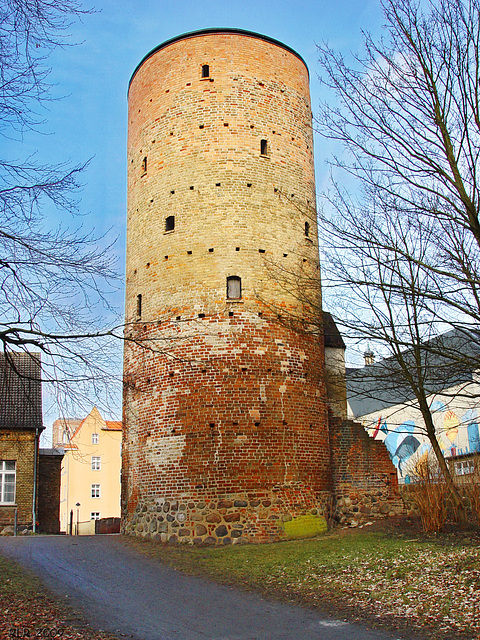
(226,436)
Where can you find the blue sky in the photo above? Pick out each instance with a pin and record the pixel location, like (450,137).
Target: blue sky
(89,118)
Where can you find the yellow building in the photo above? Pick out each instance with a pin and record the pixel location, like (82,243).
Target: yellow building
(90,470)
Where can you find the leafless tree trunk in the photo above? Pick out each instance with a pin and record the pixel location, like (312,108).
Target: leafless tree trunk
(402,249)
(54,282)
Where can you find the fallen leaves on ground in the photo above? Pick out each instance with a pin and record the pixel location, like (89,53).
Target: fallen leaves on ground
(28,610)
(429,587)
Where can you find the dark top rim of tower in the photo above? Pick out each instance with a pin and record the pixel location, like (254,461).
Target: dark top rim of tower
(205,32)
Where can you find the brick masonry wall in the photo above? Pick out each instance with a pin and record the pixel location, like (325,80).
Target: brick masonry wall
(236,211)
(212,421)
(19,446)
(226,434)
(49,470)
(364,478)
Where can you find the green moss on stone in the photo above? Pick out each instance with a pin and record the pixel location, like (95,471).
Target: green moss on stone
(305,526)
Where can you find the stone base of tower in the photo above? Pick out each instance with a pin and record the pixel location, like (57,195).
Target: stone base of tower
(280,513)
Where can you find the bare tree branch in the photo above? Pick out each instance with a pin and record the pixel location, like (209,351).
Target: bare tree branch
(402,252)
(56,283)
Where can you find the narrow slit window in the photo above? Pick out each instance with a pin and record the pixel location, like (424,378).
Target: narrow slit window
(205,71)
(144,165)
(307,229)
(234,288)
(170,223)
(263,147)
(139,305)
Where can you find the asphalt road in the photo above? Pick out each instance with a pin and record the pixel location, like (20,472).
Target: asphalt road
(124,592)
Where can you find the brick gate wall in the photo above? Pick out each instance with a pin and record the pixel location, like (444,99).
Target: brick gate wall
(364,478)
(49,470)
(239,428)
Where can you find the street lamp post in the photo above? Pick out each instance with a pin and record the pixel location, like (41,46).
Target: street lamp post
(78,515)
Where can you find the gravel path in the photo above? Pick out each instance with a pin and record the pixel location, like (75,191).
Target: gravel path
(117,589)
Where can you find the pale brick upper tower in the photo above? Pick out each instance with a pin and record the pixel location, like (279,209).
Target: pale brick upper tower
(226,434)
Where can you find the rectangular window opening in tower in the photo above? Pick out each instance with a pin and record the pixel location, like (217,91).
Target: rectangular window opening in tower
(205,71)
(234,288)
(263,148)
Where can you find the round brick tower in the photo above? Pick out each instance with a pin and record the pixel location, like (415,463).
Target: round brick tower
(226,435)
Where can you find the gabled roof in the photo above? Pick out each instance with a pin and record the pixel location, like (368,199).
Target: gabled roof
(75,426)
(20,391)
(93,413)
(446,360)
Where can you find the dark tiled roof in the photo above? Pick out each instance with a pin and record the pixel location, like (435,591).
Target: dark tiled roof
(446,360)
(56,453)
(20,391)
(331,334)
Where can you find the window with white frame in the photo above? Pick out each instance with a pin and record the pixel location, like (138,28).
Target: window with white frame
(8,472)
(95,491)
(94,438)
(95,515)
(96,463)
(464,467)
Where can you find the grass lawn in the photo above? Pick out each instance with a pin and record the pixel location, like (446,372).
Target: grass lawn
(430,584)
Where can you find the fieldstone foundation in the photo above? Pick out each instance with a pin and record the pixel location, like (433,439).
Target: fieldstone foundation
(233,518)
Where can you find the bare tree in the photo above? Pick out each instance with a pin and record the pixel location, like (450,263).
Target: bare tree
(401,251)
(54,282)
